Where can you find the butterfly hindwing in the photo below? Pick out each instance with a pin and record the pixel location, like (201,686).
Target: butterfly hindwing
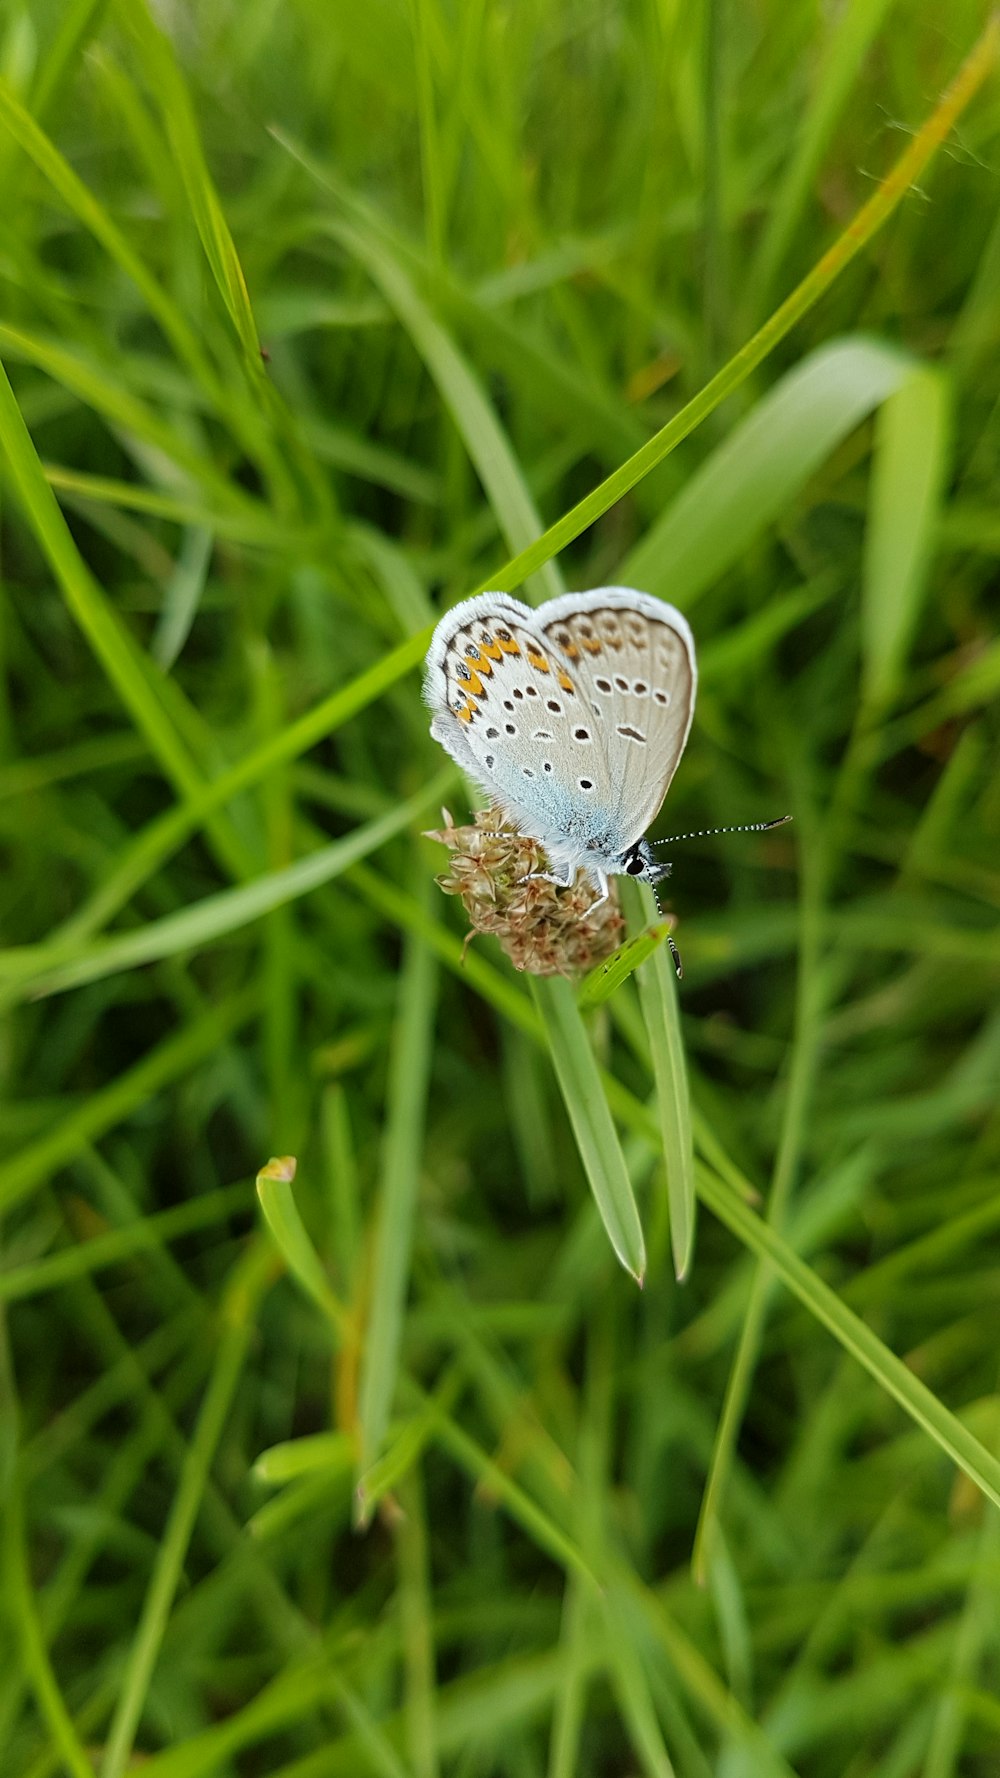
(509,711)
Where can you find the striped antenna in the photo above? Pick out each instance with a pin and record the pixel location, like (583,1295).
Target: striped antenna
(674,952)
(705,833)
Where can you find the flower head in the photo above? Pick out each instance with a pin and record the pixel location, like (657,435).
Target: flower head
(543,928)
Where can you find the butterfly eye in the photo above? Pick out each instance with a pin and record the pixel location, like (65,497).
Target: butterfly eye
(635,866)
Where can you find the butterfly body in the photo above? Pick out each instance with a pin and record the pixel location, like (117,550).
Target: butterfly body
(571,717)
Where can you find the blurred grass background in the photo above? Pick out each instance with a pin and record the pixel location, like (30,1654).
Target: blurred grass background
(315,316)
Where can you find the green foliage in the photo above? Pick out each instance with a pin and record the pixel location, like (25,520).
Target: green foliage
(312,320)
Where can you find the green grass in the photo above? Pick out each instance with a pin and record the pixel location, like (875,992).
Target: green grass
(312,320)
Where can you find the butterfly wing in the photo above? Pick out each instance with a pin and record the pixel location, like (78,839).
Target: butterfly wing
(508,708)
(633,659)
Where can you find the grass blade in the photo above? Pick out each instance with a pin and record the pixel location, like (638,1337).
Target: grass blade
(738,491)
(321,1451)
(849,243)
(98,622)
(244,1290)
(889,1372)
(217,916)
(602,981)
(182,597)
(172,95)
(912,438)
(22,1611)
(93,216)
(281,1213)
(481,432)
(659,1001)
(38,1160)
(852,30)
(409,1079)
(596,1137)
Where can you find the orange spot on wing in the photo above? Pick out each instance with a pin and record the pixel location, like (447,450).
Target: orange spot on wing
(565,681)
(481,666)
(472,683)
(465,714)
(591,644)
(537,660)
(493,649)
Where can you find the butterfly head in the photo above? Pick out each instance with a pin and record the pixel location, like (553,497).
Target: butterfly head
(638,862)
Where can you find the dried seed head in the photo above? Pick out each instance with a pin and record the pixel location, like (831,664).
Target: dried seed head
(543,929)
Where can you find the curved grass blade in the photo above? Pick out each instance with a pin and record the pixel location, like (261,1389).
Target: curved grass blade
(281,1213)
(102,1111)
(92,215)
(750,478)
(889,1372)
(97,619)
(348,701)
(296,1457)
(602,981)
(596,1138)
(179,120)
(978,64)
(481,432)
(168,831)
(216,916)
(853,28)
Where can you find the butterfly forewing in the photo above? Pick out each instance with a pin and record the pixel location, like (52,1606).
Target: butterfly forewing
(633,660)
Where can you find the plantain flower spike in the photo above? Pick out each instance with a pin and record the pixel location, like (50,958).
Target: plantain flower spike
(544,929)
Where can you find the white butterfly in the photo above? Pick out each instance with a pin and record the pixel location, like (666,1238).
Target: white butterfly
(571,717)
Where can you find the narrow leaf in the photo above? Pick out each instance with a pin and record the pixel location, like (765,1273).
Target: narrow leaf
(172,93)
(409,1076)
(740,489)
(596,1138)
(658,998)
(320,1451)
(482,434)
(600,983)
(911,461)
(216,916)
(277,1200)
(889,1372)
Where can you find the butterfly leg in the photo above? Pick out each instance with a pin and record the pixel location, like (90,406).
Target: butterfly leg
(561,881)
(602,884)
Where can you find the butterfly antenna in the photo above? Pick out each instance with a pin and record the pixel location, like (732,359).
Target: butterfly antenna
(674,952)
(705,833)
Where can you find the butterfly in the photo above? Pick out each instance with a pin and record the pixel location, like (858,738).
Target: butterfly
(572,718)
